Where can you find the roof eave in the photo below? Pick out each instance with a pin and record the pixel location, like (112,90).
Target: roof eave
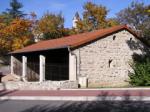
(63,47)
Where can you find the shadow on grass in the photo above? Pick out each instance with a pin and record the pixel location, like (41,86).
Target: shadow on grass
(105,105)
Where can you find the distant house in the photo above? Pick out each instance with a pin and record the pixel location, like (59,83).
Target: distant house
(99,58)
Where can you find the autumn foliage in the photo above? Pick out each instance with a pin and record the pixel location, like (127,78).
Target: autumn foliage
(15,35)
(94,17)
(52,26)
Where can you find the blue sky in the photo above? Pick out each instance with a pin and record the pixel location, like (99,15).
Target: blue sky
(68,7)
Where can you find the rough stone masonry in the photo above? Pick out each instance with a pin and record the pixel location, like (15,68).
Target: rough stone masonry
(106,62)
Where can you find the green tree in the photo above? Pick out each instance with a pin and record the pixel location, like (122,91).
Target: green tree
(14,10)
(52,26)
(141,74)
(136,15)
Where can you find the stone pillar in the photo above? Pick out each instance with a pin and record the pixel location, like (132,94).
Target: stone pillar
(24,67)
(72,67)
(12,64)
(42,68)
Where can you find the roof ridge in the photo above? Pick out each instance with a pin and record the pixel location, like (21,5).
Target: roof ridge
(73,40)
(125,26)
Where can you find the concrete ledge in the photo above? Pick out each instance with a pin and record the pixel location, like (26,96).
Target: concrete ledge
(134,88)
(46,85)
(76,98)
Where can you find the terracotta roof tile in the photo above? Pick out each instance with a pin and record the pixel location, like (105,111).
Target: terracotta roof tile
(73,40)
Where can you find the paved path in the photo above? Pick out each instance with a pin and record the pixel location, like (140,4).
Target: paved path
(77,100)
(77,95)
(76,92)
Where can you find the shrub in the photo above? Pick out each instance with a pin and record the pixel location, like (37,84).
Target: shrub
(141,74)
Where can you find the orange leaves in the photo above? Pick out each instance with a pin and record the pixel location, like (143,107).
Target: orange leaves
(17,43)
(50,22)
(16,34)
(94,17)
(18,27)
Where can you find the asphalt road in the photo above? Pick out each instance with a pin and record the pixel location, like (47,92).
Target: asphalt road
(69,106)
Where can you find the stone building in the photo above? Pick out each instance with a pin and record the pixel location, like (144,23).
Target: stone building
(98,58)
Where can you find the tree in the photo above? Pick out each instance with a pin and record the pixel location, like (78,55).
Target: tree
(141,74)
(52,26)
(15,31)
(14,11)
(15,35)
(136,15)
(94,17)
(112,22)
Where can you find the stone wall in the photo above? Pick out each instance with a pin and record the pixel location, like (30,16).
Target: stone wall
(47,85)
(17,61)
(106,62)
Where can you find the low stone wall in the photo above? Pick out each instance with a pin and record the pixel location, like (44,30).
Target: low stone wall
(47,85)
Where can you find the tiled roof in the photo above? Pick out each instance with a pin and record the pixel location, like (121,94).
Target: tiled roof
(73,40)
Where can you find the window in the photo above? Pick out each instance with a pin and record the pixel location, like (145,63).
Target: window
(109,62)
(130,39)
(114,37)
